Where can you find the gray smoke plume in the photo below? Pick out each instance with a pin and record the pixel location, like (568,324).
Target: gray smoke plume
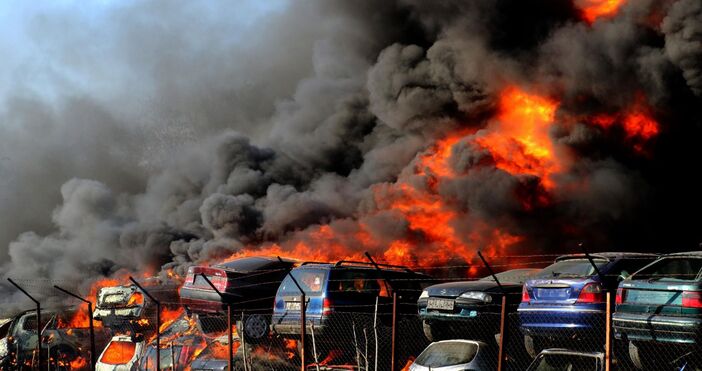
(178,135)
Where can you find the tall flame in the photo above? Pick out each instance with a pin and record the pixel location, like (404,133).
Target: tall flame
(594,9)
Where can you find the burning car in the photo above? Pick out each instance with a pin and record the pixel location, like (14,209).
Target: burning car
(120,306)
(248,284)
(66,342)
(456,355)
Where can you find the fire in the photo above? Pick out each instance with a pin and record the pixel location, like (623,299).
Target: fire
(637,121)
(333,354)
(79,363)
(137,298)
(519,138)
(290,347)
(80,320)
(168,316)
(594,9)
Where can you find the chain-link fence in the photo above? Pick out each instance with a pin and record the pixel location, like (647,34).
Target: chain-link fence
(498,328)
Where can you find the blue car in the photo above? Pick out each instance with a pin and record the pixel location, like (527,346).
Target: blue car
(339,295)
(566,301)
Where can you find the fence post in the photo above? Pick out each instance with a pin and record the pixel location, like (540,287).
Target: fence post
(608,334)
(229,323)
(503,335)
(394,331)
(39,356)
(93,357)
(158,322)
(303,319)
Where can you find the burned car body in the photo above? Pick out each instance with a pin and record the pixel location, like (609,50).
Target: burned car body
(125,306)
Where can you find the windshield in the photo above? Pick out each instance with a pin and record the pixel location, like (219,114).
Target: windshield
(118,353)
(571,268)
(447,354)
(149,362)
(672,269)
(565,362)
(311,280)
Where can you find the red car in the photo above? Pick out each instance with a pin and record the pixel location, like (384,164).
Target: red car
(247,284)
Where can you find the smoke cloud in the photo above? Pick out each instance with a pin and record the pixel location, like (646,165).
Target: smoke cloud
(177,135)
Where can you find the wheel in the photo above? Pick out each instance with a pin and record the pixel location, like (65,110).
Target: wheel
(643,359)
(255,328)
(534,345)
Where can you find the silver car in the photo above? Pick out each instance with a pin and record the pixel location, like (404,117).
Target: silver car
(456,355)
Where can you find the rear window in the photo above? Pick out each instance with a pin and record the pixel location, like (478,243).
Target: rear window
(360,282)
(566,362)
(311,280)
(246,265)
(512,276)
(447,354)
(571,268)
(678,269)
(118,353)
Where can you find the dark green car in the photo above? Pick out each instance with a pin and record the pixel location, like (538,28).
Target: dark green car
(660,306)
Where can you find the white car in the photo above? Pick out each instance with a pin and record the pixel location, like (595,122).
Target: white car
(121,354)
(456,355)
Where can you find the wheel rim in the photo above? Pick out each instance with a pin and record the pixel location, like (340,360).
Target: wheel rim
(256,326)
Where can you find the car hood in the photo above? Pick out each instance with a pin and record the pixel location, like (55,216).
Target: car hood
(457,288)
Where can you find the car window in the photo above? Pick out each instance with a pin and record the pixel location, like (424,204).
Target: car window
(311,280)
(245,265)
(447,354)
(118,353)
(30,322)
(4,329)
(166,362)
(571,268)
(565,362)
(678,269)
(630,265)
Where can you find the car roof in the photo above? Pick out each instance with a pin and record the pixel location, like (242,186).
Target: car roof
(685,253)
(476,342)
(355,265)
(254,260)
(608,255)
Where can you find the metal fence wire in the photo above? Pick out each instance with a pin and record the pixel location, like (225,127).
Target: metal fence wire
(366,337)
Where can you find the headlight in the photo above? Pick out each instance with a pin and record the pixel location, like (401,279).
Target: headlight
(425,294)
(474,295)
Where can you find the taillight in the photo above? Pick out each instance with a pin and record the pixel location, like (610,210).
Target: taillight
(219,282)
(692,299)
(327,307)
(525,295)
(621,296)
(591,293)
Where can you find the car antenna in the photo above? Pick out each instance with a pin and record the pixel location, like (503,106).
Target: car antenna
(368,255)
(592,262)
(492,273)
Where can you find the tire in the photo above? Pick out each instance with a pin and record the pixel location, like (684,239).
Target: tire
(256,328)
(534,345)
(642,359)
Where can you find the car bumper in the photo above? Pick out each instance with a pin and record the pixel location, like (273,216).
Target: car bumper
(568,321)
(649,327)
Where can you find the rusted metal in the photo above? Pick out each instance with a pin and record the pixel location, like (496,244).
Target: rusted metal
(158,322)
(608,334)
(39,355)
(394,330)
(93,356)
(503,335)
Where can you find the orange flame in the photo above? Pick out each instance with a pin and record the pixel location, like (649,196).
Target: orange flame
(79,363)
(118,353)
(408,364)
(136,299)
(168,316)
(519,139)
(594,9)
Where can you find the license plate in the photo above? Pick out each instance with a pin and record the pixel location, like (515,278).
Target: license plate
(443,304)
(293,305)
(553,293)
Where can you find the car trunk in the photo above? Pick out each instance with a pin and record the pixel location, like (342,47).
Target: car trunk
(562,291)
(658,297)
